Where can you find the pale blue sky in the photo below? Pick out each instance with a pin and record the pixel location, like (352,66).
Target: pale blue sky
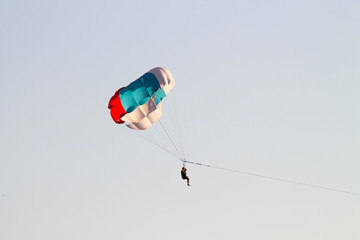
(269,87)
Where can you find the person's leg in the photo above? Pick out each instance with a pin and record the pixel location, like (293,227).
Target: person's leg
(188,181)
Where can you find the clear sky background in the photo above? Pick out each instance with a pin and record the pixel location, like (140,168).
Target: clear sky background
(268,87)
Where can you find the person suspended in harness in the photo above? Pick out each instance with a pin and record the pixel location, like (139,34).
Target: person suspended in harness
(184,176)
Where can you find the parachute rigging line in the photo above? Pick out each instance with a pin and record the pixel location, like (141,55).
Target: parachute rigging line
(178,125)
(158,145)
(180,155)
(167,134)
(160,133)
(273,178)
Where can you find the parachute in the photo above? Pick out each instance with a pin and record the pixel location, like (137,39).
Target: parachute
(139,104)
(139,107)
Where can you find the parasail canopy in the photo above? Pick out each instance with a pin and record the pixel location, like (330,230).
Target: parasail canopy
(139,103)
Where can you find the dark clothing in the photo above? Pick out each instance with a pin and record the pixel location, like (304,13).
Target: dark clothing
(183,175)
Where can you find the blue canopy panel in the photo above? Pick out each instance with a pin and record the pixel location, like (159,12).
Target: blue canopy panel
(140,92)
